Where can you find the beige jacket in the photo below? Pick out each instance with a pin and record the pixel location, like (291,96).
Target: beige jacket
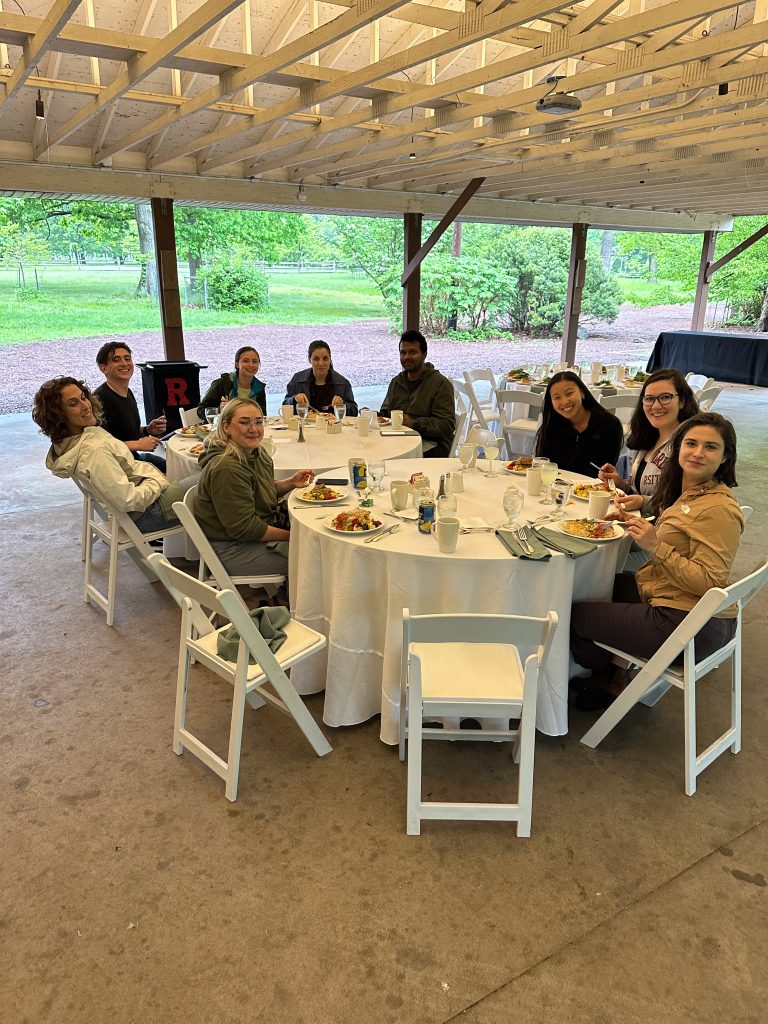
(699,538)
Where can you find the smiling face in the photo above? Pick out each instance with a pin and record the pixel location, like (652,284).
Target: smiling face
(248,365)
(412,358)
(320,361)
(567,400)
(702,452)
(119,367)
(77,409)
(661,405)
(246,428)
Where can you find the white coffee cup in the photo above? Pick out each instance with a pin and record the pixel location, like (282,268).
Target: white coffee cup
(397,418)
(533,482)
(286,411)
(363,425)
(398,494)
(447,533)
(599,503)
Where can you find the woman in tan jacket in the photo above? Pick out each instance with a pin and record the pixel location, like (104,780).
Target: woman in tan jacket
(692,547)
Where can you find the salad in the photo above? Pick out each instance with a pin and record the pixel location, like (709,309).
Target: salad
(321,493)
(358,520)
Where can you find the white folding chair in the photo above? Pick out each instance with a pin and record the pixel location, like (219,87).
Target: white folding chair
(212,570)
(746,511)
(462,406)
(699,382)
(524,427)
(707,398)
(484,410)
(249,680)
(189,417)
(469,666)
(621,406)
(658,674)
(119,533)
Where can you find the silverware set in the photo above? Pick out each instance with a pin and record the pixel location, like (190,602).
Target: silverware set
(380,536)
(522,535)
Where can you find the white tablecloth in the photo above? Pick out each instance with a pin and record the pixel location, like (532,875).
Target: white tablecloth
(354,593)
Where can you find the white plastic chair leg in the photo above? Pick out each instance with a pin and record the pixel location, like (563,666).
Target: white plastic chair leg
(413,808)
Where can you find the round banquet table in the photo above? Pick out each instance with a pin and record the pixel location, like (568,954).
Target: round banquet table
(320,452)
(354,593)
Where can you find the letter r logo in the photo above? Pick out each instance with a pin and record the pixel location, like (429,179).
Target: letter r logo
(177,391)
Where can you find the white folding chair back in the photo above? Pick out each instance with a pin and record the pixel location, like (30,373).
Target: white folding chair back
(482,399)
(658,674)
(469,666)
(746,511)
(119,533)
(463,406)
(699,382)
(518,431)
(189,417)
(707,397)
(249,680)
(621,406)
(212,570)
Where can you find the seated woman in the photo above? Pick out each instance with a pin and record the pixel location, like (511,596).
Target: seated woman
(243,383)
(576,432)
(320,386)
(237,495)
(665,401)
(67,412)
(692,548)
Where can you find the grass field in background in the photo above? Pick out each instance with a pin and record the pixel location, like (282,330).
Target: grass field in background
(636,289)
(80,303)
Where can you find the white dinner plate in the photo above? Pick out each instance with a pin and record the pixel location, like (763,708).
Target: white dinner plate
(514,472)
(355,533)
(343,495)
(578,497)
(618,532)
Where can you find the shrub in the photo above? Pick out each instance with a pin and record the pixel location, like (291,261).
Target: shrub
(233,283)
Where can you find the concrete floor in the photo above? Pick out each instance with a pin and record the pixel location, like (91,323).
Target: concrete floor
(132,891)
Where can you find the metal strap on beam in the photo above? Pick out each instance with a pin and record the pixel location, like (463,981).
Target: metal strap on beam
(441,228)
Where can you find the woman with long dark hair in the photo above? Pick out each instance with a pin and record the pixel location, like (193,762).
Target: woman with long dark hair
(665,401)
(243,383)
(576,432)
(691,548)
(321,386)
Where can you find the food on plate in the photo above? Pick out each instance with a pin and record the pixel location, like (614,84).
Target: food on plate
(384,420)
(603,383)
(589,529)
(196,449)
(520,375)
(630,382)
(640,377)
(321,493)
(415,477)
(358,520)
(520,465)
(584,490)
(188,431)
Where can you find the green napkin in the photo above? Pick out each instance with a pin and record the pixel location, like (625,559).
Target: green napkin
(268,621)
(540,553)
(574,547)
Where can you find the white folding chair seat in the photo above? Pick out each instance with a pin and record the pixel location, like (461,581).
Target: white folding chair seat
(707,397)
(622,406)
(249,681)
(658,674)
(484,409)
(699,382)
(518,431)
(189,417)
(119,532)
(469,666)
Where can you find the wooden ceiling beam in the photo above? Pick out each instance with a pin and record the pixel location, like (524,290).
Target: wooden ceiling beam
(35,46)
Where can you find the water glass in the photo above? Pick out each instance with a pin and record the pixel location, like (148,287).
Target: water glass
(561,494)
(513,506)
(376,471)
(466,453)
(302,410)
(211,413)
(447,505)
(340,411)
(491,453)
(548,477)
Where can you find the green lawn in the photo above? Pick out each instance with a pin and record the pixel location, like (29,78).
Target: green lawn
(645,293)
(76,304)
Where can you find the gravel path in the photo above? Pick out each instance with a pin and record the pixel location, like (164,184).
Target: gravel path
(364,351)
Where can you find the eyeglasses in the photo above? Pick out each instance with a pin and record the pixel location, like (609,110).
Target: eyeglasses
(663,400)
(258,422)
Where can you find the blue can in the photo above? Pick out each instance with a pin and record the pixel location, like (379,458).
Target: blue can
(426,515)
(358,474)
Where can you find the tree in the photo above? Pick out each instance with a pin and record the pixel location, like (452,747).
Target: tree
(20,246)
(148,277)
(374,244)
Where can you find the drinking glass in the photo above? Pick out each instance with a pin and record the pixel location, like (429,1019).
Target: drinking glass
(447,505)
(561,493)
(513,506)
(465,453)
(548,477)
(302,410)
(211,413)
(491,453)
(340,411)
(376,469)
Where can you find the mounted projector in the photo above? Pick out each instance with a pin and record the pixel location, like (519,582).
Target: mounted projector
(558,103)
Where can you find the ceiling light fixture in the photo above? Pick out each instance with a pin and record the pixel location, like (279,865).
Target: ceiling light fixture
(558,103)
(39,107)
(301,195)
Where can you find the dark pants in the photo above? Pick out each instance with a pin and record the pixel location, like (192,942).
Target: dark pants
(152,459)
(634,627)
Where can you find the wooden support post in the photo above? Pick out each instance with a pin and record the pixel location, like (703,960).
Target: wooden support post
(442,227)
(702,284)
(412,283)
(576,272)
(168,278)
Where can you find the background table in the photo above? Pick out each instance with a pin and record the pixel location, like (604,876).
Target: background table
(738,358)
(354,593)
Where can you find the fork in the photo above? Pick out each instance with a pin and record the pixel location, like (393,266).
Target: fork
(520,533)
(381,536)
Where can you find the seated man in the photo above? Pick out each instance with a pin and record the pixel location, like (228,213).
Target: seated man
(120,413)
(425,397)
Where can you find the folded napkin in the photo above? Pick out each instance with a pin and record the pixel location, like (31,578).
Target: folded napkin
(574,547)
(410,514)
(268,621)
(473,523)
(540,553)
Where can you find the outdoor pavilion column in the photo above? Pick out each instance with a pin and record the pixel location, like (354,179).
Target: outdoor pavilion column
(412,282)
(168,278)
(577,268)
(702,283)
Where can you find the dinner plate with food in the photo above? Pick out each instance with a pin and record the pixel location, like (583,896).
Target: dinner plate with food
(189,431)
(596,530)
(321,494)
(355,521)
(583,491)
(196,449)
(520,465)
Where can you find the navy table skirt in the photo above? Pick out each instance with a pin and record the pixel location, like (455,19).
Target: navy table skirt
(737,358)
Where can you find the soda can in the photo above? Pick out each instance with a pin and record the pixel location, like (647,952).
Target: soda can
(358,474)
(426,515)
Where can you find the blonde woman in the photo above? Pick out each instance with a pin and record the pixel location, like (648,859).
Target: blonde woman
(237,495)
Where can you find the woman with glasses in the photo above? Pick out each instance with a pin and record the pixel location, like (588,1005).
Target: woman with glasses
(665,401)
(321,387)
(237,502)
(243,383)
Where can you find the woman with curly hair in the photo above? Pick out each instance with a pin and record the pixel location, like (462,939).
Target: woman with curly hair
(576,432)
(691,547)
(67,412)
